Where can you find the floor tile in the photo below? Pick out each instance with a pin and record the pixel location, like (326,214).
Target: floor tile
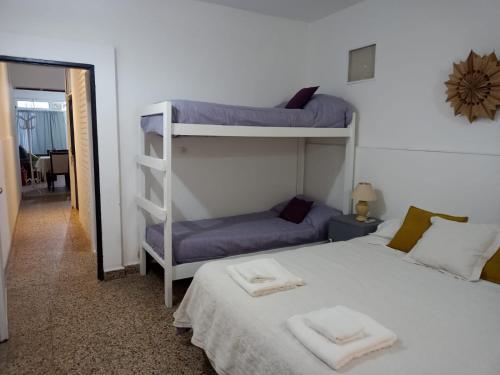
(29,309)
(28,354)
(64,321)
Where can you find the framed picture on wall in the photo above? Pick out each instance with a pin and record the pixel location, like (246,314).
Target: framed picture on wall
(361,63)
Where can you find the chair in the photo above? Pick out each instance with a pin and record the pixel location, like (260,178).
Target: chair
(59,165)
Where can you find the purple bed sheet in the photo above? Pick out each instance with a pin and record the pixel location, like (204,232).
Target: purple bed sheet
(207,239)
(322,111)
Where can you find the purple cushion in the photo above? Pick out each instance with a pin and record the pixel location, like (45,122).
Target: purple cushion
(281,205)
(301,98)
(296,210)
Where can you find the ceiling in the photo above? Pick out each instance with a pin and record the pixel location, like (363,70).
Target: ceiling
(37,77)
(303,10)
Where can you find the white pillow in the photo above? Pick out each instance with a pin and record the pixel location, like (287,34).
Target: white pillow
(388,228)
(461,249)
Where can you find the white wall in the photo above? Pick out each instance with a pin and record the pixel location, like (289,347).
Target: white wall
(186,49)
(103,58)
(450,165)
(232,176)
(180,49)
(324,173)
(10,168)
(36,77)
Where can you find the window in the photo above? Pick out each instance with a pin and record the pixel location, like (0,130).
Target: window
(41,124)
(361,63)
(35,104)
(58,106)
(32,104)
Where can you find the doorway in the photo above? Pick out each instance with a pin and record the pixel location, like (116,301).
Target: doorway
(90,71)
(53,134)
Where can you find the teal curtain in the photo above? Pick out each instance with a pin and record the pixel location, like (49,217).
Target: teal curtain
(49,132)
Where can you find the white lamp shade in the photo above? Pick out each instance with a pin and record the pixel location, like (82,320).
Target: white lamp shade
(364,192)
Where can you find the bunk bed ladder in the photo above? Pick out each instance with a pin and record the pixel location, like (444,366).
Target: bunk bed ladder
(164,213)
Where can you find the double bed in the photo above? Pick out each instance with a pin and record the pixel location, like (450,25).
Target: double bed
(444,325)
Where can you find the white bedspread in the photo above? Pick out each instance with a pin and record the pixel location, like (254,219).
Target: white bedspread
(444,325)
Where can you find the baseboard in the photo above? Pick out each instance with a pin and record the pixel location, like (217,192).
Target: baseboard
(121,273)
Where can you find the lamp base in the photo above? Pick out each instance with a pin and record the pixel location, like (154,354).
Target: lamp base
(362,211)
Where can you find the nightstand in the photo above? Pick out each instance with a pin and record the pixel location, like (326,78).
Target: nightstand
(346,227)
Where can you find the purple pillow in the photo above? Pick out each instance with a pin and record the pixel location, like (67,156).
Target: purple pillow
(301,98)
(296,210)
(281,205)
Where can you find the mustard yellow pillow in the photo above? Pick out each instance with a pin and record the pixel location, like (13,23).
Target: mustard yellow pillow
(416,222)
(491,270)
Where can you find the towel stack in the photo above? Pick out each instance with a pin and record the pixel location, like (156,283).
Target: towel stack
(338,335)
(263,276)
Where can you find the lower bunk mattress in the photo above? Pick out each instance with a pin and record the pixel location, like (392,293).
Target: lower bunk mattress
(202,240)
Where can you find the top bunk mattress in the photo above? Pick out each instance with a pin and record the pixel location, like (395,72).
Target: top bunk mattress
(322,111)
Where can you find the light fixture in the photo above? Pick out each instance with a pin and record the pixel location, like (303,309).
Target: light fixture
(363,193)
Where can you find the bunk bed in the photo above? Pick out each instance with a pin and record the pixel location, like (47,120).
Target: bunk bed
(223,121)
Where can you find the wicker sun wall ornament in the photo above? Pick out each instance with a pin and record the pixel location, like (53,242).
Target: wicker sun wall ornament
(474,87)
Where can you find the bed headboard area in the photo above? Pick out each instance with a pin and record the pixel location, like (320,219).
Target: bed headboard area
(451,182)
(456,183)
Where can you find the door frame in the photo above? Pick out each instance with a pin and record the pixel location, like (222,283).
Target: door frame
(4,323)
(97,190)
(71,126)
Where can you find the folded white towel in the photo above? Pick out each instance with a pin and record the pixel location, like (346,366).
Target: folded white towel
(283,280)
(257,271)
(338,324)
(376,337)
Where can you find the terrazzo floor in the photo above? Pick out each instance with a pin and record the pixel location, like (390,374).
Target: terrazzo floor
(62,320)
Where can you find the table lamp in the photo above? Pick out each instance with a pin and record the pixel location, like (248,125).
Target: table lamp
(363,193)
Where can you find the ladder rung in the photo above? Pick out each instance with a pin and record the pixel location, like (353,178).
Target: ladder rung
(153,253)
(156,109)
(150,162)
(153,209)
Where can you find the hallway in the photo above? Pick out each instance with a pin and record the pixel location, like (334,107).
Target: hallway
(62,320)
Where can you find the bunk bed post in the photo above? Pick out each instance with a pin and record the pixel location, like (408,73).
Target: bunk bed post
(301,154)
(167,202)
(141,225)
(350,150)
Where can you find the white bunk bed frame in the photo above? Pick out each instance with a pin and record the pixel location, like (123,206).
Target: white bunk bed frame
(164,165)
